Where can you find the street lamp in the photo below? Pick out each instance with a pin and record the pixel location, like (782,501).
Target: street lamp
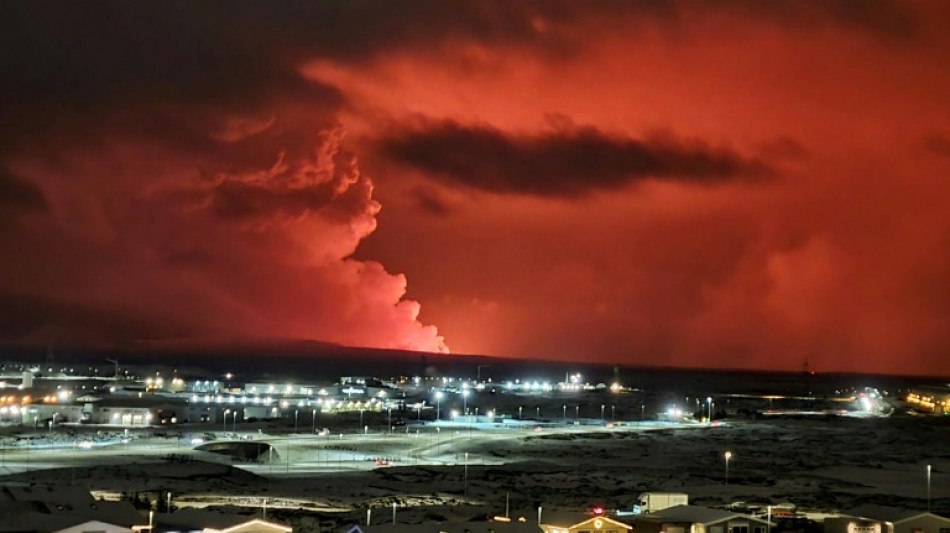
(438,405)
(389,416)
(465,483)
(361,418)
(519,411)
(564,413)
(224,426)
(709,407)
(577,412)
(314,419)
(928,488)
(602,419)
(465,402)
(296,413)
(727,455)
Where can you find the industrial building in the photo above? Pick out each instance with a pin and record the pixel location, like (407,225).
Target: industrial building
(934,400)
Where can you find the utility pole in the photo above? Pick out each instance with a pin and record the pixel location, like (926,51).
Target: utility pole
(115,377)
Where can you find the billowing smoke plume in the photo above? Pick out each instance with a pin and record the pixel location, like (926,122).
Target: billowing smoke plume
(253,239)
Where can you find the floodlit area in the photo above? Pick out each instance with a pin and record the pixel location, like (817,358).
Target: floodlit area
(320,456)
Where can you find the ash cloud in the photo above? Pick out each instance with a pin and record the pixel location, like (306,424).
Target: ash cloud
(188,181)
(569,162)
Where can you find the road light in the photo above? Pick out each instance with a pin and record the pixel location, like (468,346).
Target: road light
(361,418)
(577,412)
(296,413)
(438,405)
(709,407)
(602,418)
(727,455)
(519,411)
(314,419)
(224,426)
(389,416)
(564,413)
(928,488)
(465,402)
(465,482)
(613,412)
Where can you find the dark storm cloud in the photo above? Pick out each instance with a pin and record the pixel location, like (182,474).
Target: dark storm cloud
(568,162)
(19,195)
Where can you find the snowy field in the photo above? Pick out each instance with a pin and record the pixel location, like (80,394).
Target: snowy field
(819,463)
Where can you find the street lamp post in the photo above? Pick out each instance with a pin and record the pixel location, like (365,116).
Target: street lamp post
(641,413)
(602,419)
(577,412)
(519,411)
(564,413)
(438,405)
(314,420)
(465,402)
(296,413)
(928,488)
(389,418)
(727,455)
(709,408)
(538,412)
(613,412)
(224,426)
(361,420)
(465,482)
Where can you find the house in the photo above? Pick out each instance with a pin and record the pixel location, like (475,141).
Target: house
(457,527)
(95,526)
(207,521)
(854,524)
(697,519)
(899,520)
(256,525)
(47,508)
(558,521)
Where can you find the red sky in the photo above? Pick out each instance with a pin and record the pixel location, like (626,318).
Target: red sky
(731,184)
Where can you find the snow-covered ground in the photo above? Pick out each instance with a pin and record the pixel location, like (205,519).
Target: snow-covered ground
(825,463)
